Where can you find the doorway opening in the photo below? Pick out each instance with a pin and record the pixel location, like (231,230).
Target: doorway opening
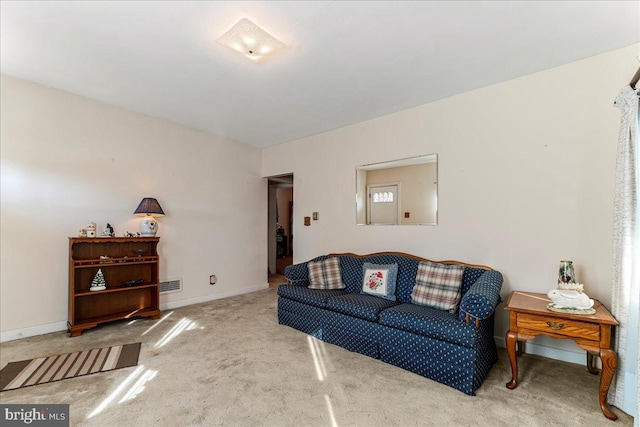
(280,227)
(383,204)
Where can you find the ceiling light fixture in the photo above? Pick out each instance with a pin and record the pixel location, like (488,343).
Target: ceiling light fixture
(252,41)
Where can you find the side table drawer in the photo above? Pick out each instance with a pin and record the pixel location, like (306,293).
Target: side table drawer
(570,328)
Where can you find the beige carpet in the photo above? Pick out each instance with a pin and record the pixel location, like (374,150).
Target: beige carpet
(228,362)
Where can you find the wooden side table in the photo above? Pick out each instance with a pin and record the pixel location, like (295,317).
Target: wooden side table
(529,317)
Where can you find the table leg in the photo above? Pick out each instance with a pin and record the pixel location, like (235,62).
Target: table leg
(609,363)
(520,348)
(591,364)
(511,339)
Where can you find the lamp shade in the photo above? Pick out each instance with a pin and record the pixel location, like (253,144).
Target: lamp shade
(149,207)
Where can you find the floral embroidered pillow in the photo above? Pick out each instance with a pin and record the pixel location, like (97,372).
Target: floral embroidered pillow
(380,280)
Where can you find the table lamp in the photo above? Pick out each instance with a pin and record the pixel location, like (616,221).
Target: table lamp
(149,208)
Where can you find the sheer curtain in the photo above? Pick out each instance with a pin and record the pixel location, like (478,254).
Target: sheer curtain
(626,258)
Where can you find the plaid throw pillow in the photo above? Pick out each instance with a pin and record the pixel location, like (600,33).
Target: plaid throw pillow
(325,274)
(438,285)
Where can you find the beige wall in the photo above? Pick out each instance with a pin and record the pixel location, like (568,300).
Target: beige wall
(418,184)
(68,160)
(525,177)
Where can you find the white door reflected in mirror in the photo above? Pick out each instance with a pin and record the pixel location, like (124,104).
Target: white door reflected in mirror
(383,204)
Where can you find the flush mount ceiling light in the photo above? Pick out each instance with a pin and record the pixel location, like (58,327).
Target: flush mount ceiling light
(252,41)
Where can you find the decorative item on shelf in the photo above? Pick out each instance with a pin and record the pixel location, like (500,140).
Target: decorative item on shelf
(105,259)
(571,287)
(572,302)
(98,283)
(108,231)
(566,273)
(91,229)
(149,208)
(569,297)
(127,234)
(82,232)
(130,283)
(140,252)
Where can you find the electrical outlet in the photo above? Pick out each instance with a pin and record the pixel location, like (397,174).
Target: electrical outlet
(213,279)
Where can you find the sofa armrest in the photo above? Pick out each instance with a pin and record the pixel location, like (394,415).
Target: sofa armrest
(298,274)
(300,271)
(482,298)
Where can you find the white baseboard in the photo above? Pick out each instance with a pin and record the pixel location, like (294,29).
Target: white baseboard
(579,358)
(17,334)
(211,297)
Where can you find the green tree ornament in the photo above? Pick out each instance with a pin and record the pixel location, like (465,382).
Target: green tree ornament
(98,283)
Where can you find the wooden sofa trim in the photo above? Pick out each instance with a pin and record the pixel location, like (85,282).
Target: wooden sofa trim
(414,257)
(466,320)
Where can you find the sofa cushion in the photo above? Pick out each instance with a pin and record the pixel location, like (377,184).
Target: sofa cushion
(315,297)
(430,322)
(352,272)
(363,306)
(325,274)
(438,285)
(380,280)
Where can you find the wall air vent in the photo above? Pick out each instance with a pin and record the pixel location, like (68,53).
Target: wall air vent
(168,286)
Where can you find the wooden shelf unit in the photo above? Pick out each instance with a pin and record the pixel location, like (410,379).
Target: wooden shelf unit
(129,258)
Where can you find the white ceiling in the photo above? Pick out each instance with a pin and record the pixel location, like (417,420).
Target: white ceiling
(346,61)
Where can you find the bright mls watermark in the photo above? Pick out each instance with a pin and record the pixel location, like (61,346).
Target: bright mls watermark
(34,415)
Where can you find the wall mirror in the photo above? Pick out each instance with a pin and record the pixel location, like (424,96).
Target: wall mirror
(398,192)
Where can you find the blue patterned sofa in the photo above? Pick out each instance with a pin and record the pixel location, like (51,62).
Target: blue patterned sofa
(456,349)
